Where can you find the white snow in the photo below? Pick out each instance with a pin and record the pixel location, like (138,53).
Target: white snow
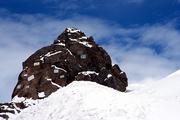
(25,75)
(42,59)
(30,77)
(75,40)
(69,51)
(88,72)
(56,71)
(55,84)
(27,102)
(83,37)
(61,44)
(41,94)
(19,86)
(61,76)
(5,107)
(121,72)
(49,79)
(72,30)
(58,68)
(27,87)
(36,63)
(83,56)
(85,43)
(18,99)
(82,100)
(51,54)
(109,75)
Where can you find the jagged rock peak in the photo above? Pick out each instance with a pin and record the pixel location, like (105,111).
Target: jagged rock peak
(74,35)
(72,57)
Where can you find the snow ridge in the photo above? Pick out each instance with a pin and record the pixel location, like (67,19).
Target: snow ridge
(83,100)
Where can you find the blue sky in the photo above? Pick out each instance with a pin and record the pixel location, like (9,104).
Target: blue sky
(125,12)
(142,36)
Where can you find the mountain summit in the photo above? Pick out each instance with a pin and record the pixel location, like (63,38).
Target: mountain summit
(72,57)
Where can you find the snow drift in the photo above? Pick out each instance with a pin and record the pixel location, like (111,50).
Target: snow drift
(157,100)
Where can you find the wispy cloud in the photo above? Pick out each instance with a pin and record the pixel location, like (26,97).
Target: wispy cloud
(166,36)
(141,63)
(131,48)
(147,52)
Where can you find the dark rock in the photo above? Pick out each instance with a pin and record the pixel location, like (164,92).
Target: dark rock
(72,56)
(7,109)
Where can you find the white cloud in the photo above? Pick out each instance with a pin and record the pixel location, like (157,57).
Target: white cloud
(21,35)
(166,36)
(140,63)
(137,56)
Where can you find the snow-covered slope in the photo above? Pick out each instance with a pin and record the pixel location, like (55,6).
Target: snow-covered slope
(157,100)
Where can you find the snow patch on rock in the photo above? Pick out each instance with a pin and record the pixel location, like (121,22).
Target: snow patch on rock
(41,94)
(88,72)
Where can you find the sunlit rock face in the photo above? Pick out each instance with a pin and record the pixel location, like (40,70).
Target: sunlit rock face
(72,57)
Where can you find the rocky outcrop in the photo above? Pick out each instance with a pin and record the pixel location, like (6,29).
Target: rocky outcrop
(72,56)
